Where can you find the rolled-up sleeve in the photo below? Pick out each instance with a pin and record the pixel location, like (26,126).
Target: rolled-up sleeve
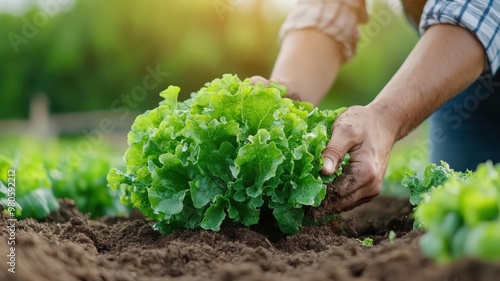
(481,17)
(336,18)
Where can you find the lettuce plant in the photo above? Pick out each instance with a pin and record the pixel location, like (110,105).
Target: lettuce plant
(228,152)
(459,211)
(31,190)
(45,174)
(84,181)
(434,176)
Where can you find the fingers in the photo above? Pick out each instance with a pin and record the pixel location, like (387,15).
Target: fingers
(354,177)
(356,132)
(344,138)
(290,91)
(355,186)
(256,79)
(333,154)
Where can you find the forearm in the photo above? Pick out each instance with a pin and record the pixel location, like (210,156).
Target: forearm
(445,61)
(308,63)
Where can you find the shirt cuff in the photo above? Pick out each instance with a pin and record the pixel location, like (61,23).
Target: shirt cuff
(337,18)
(479,17)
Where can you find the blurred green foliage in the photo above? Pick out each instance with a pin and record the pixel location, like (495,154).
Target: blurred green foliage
(59,168)
(90,55)
(93,53)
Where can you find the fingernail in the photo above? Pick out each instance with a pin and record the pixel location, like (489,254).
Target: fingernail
(328,165)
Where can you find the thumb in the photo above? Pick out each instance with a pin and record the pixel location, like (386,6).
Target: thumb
(334,152)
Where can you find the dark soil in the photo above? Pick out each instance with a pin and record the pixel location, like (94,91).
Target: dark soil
(69,246)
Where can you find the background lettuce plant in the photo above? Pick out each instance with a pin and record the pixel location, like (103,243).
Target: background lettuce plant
(228,152)
(44,174)
(32,190)
(459,211)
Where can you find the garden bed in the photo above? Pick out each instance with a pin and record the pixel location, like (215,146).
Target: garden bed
(69,246)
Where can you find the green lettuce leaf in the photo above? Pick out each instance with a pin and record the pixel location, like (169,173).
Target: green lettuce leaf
(462,214)
(230,150)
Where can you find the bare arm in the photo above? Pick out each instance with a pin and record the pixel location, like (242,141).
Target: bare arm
(307,64)
(445,61)
(317,37)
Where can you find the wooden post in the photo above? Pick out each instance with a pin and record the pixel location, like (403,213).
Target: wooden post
(39,116)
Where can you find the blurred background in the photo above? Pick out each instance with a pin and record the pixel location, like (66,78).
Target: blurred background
(81,70)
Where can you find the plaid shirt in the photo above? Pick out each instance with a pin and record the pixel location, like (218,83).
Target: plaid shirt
(481,17)
(340,19)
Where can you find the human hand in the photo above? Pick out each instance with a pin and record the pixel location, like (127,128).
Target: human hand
(290,93)
(368,139)
(256,79)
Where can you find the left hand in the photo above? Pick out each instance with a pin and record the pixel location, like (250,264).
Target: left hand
(290,92)
(368,139)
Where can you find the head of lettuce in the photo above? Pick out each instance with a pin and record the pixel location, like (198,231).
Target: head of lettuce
(226,153)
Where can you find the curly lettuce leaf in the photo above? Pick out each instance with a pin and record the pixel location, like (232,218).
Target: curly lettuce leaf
(434,176)
(32,190)
(230,150)
(462,216)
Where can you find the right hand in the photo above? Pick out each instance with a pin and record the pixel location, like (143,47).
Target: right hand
(368,138)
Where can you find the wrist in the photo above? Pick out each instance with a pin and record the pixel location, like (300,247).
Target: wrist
(390,122)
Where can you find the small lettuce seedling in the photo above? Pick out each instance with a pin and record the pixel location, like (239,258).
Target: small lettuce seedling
(367,242)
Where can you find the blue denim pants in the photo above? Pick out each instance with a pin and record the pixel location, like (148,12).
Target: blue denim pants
(466,130)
